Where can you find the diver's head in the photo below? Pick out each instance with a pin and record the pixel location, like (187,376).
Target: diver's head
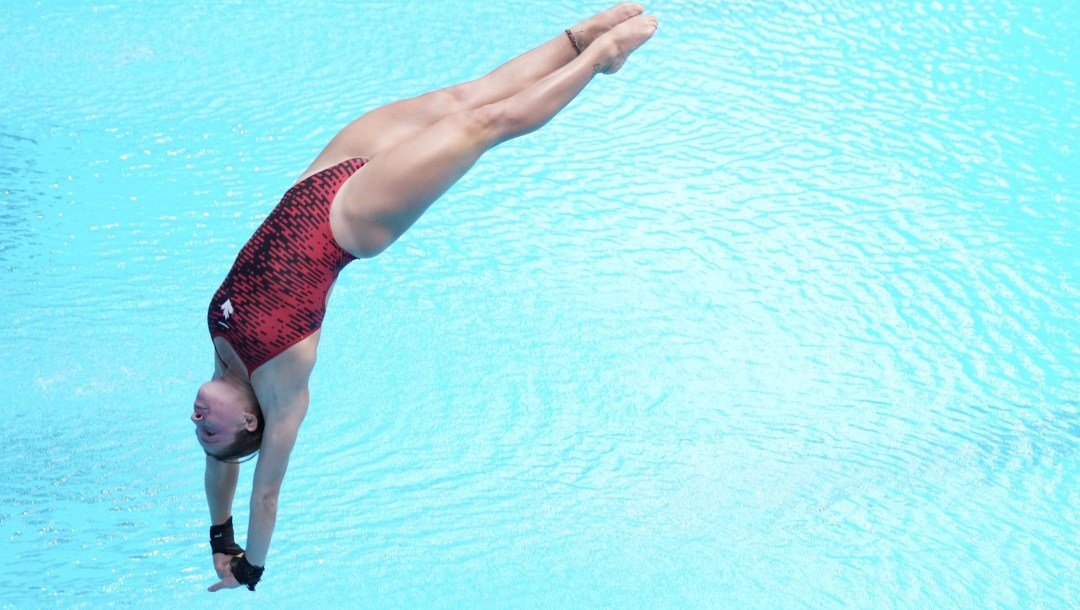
(228,421)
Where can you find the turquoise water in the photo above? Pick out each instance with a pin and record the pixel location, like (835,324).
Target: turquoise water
(783,315)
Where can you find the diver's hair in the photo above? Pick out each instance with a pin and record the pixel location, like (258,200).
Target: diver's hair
(247,442)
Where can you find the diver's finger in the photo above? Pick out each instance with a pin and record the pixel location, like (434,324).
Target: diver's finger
(217,586)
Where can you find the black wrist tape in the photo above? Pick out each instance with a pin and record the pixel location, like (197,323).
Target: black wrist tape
(221,539)
(245,573)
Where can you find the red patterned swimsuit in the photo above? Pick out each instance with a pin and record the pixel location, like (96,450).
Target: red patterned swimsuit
(275,295)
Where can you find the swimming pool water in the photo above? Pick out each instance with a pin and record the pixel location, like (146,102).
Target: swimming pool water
(783,315)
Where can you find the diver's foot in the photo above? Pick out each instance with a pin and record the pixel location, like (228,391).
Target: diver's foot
(622,40)
(592,28)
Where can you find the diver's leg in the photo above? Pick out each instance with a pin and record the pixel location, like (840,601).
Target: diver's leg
(388,125)
(377,204)
(529,67)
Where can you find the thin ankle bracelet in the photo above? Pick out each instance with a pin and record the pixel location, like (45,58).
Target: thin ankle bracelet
(573,41)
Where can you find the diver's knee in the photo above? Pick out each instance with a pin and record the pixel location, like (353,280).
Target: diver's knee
(493,123)
(454,98)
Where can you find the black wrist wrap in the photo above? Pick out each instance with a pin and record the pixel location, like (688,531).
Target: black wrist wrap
(221,539)
(245,573)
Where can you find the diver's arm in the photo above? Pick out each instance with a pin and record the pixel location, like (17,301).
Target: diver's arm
(277,444)
(220,477)
(281,387)
(220,481)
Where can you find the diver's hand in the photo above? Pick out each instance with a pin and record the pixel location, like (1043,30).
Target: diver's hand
(221,564)
(224,570)
(224,548)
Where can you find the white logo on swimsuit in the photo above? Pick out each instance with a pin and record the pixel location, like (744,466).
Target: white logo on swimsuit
(227,309)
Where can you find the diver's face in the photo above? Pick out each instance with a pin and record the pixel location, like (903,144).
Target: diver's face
(218,415)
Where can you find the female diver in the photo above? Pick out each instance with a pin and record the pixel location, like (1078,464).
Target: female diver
(370,184)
